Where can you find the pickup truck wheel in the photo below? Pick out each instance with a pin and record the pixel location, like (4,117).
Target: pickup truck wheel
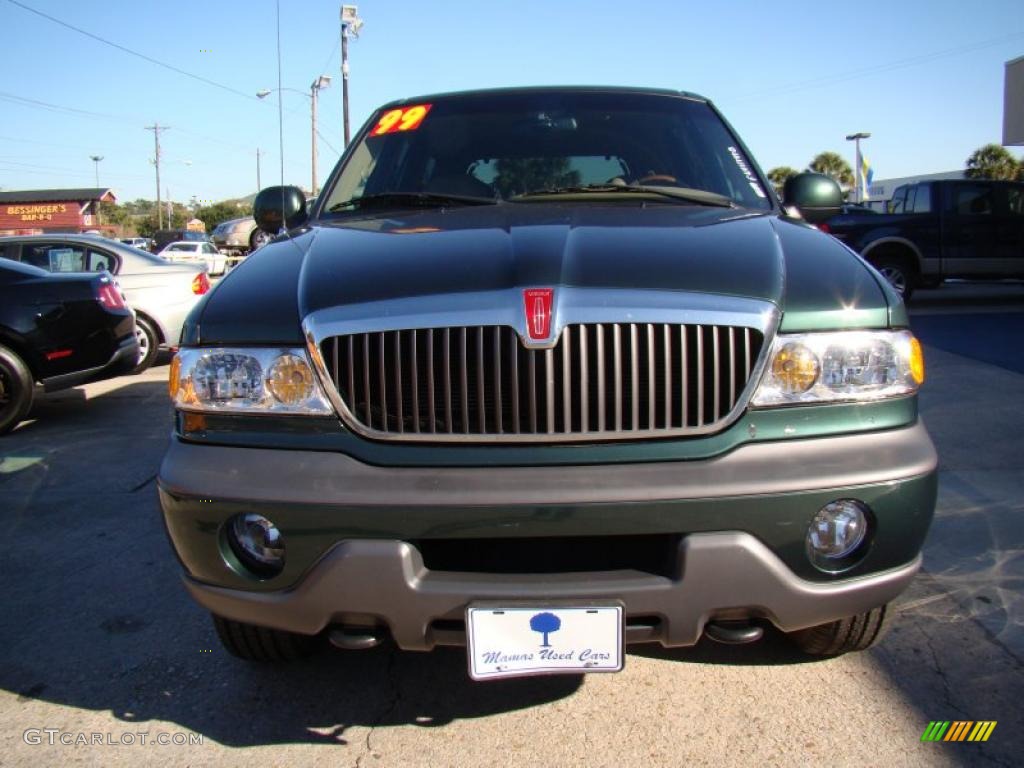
(898,273)
(149,344)
(252,643)
(856,633)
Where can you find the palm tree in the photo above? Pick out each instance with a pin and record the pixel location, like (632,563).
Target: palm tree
(779,175)
(993,162)
(832,164)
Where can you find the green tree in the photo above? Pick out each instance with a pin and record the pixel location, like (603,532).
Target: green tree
(832,164)
(214,214)
(993,161)
(516,176)
(779,175)
(116,214)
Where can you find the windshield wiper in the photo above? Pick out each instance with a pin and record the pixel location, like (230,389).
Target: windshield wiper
(414,199)
(696,196)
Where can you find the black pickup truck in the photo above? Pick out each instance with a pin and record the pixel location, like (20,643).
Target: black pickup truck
(940,229)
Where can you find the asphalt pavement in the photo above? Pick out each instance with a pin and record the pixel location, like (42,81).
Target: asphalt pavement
(99,643)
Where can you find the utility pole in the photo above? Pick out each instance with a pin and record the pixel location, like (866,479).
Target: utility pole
(320,83)
(156,128)
(312,106)
(350,23)
(99,210)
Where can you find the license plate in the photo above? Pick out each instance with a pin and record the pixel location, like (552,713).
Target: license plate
(511,641)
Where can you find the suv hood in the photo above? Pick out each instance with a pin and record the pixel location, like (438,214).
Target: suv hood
(491,248)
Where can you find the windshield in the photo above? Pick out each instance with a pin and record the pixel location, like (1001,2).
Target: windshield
(501,146)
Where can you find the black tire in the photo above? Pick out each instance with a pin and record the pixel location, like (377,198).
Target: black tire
(252,643)
(16,390)
(258,239)
(899,272)
(149,343)
(856,633)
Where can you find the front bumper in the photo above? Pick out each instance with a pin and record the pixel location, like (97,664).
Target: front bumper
(722,575)
(350,530)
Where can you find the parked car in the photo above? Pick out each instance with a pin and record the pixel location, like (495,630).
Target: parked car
(970,228)
(583,383)
(162,237)
(191,252)
(161,293)
(58,330)
(142,243)
(239,236)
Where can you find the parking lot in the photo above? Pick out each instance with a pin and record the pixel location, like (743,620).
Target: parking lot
(99,637)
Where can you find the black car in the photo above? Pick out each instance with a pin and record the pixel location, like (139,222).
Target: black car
(59,330)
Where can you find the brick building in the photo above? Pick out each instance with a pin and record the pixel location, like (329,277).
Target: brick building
(38,211)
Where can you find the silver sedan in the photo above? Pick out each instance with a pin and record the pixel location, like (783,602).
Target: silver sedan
(161,293)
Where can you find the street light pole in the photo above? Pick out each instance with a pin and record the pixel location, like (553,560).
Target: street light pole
(99,210)
(350,24)
(323,81)
(857,188)
(259,184)
(96,160)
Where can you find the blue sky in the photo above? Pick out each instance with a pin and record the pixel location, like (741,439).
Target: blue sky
(925,77)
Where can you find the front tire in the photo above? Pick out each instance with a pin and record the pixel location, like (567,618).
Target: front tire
(856,633)
(899,274)
(149,344)
(16,390)
(253,643)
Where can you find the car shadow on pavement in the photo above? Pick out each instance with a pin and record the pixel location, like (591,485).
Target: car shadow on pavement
(774,648)
(96,619)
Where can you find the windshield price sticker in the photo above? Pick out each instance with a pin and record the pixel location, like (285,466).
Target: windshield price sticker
(404,119)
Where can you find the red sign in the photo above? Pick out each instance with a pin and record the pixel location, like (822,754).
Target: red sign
(407,119)
(537,303)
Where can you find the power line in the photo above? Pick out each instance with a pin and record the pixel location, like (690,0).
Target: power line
(329,145)
(49,106)
(129,51)
(25,101)
(46,143)
(65,171)
(881,68)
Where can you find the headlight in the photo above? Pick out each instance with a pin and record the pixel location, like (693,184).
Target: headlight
(849,365)
(274,381)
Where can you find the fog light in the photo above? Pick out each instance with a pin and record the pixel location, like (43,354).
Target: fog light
(835,534)
(257,543)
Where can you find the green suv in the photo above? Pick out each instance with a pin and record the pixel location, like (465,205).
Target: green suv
(545,372)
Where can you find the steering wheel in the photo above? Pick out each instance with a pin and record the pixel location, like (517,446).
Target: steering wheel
(664,177)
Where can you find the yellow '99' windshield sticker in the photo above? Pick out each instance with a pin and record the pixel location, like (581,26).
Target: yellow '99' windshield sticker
(402,119)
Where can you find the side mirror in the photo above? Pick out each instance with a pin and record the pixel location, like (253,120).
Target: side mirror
(279,207)
(815,195)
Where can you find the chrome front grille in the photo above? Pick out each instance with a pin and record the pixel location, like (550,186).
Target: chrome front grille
(599,381)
